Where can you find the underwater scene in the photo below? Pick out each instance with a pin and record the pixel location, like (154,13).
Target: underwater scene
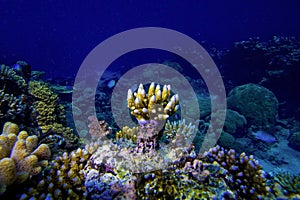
(149,100)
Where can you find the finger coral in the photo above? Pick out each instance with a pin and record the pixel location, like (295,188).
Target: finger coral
(21,157)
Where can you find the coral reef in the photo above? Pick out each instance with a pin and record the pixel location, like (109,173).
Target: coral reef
(11,81)
(20,155)
(128,133)
(274,64)
(116,185)
(258,104)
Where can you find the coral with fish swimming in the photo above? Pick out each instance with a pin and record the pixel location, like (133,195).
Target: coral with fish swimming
(156,159)
(20,156)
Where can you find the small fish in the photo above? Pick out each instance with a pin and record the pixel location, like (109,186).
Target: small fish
(111,83)
(17,67)
(264,136)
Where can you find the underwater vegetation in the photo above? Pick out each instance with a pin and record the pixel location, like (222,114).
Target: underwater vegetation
(42,157)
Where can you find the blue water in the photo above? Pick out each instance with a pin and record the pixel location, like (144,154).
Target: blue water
(56,36)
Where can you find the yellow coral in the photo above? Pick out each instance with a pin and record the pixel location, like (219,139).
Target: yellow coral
(156,104)
(128,133)
(20,156)
(10,128)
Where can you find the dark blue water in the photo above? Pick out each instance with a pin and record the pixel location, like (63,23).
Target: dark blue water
(56,36)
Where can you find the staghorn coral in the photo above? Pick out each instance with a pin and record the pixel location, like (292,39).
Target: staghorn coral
(151,110)
(245,174)
(21,157)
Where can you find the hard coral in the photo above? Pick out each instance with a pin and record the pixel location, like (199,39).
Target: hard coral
(98,128)
(20,156)
(245,174)
(287,185)
(63,178)
(155,105)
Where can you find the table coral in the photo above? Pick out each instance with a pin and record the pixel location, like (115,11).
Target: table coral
(21,157)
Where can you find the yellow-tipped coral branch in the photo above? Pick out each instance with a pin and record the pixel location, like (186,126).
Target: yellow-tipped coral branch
(156,105)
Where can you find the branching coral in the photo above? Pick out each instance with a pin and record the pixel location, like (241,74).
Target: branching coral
(245,173)
(64,178)
(9,80)
(155,105)
(20,155)
(98,128)
(151,110)
(49,116)
(128,133)
(287,184)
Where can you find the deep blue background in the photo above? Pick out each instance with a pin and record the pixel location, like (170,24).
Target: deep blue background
(55,36)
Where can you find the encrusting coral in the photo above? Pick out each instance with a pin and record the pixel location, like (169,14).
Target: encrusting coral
(20,155)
